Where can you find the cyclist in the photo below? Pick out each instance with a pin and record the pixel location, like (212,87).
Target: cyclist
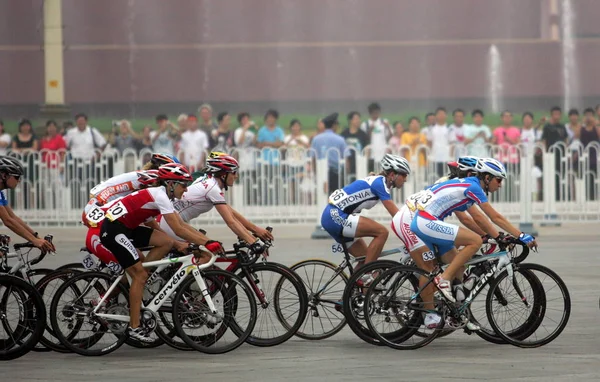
(207,192)
(341,220)
(11,171)
(112,189)
(122,232)
(433,205)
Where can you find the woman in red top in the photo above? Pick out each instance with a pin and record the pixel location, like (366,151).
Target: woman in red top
(52,146)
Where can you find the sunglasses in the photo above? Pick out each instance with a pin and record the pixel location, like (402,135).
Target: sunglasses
(184,184)
(16,176)
(499,180)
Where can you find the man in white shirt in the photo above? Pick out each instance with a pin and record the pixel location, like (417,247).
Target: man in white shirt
(477,135)
(458,130)
(440,139)
(4,139)
(83,141)
(194,145)
(379,131)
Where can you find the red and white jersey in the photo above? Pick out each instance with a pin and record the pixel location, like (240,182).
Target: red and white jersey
(199,198)
(115,187)
(138,207)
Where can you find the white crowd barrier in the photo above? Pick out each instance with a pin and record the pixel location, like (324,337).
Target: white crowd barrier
(278,186)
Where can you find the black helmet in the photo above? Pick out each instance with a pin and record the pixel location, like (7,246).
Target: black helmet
(10,165)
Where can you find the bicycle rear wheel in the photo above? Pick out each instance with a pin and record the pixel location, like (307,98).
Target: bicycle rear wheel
(22,317)
(220,331)
(546,324)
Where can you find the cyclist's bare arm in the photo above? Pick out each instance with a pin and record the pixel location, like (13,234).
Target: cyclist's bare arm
(183,230)
(234,225)
(468,222)
(19,220)
(482,221)
(153,224)
(15,224)
(258,231)
(391,207)
(499,220)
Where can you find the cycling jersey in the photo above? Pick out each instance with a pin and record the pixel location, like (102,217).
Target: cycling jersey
(199,198)
(360,194)
(442,199)
(138,207)
(3,200)
(106,192)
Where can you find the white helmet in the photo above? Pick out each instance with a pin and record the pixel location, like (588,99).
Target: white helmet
(395,163)
(491,166)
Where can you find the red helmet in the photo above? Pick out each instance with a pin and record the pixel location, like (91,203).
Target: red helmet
(221,163)
(147,177)
(174,171)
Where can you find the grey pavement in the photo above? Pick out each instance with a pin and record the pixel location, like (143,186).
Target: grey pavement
(571,250)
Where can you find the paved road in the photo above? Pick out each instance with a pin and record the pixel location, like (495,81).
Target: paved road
(572,251)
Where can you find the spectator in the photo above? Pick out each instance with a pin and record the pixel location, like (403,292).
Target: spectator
(4,139)
(414,138)
(395,141)
(84,140)
(207,124)
(245,139)
(296,144)
(429,120)
(66,126)
(320,128)
(590,133)
(24,141)
(477,135)
(53,147)
(356,139)
(270,137)
(440,138)
(507,137)
(194,144)
(529,136)
(123,136)
(555,132)
(573,126)
(458,131)
(331,146)
(145,143)
(222,138)
(163,140)
(379,131)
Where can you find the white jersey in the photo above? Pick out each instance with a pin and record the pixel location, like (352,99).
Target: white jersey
(115,187)
(199,198)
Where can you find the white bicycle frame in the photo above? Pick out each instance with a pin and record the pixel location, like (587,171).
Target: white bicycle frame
(187,266)
(21,266)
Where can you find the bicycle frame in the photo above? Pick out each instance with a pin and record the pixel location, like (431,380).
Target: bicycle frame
(187,265)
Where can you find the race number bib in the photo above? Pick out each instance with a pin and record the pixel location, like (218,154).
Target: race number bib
(420,200)
(88,262)
(337,248)
(337,196)
(116,212)
(95,216)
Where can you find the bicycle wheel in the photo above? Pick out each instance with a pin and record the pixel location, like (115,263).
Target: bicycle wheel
(47,287)
(549,291)
(281,299)
(220,331)
(72,308)
(325,283)
(22,317)
(353,298)
(394,314)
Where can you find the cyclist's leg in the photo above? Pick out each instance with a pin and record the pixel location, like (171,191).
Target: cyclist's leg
(367,228)
(160,241)
(471,243)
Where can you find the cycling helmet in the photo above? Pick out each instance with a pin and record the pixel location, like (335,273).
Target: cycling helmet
(491,166)
(221,163)
(467,163)
(216,154)
(159,159)
(174,171)
(10,165)
(147,177)
(396,164)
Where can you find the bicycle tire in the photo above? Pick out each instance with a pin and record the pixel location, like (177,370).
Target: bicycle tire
(314,299)
(34,313)
(519,339)
(227,283)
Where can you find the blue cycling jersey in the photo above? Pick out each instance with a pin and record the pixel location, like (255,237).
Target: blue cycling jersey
(442,199)
(3,200)
(361,194)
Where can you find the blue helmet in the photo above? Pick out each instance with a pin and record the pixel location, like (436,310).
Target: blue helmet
(159,159)
(467,163)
